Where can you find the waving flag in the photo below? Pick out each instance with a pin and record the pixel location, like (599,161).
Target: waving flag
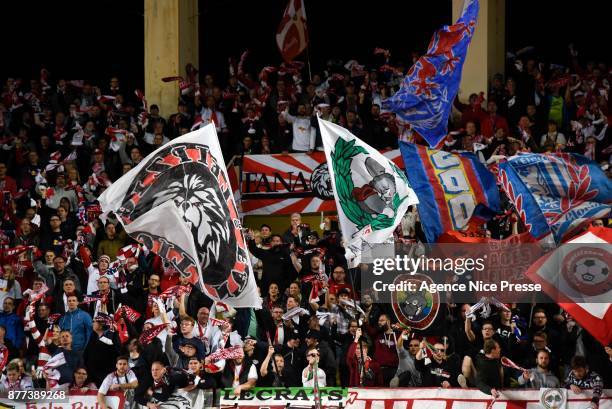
(556,193)
(292,34)
(178,203)
(452,188)
(576,275)
(426,94)
(372,194)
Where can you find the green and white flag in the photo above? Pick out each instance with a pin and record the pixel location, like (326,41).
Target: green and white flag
(372,194)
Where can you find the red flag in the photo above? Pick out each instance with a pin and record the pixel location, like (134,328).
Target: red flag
(578,277)
(175,291)
(292,35)
(131,315)
(233,352)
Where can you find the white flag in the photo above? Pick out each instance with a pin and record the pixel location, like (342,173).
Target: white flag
(372,194)
(178,203)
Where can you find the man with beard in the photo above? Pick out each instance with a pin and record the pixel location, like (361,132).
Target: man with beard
(204,331)
(540,376)
(440,371)
(385,352)
(62,273)
(540,324)
(110,298)
(276,327)
(276,263)
(142,304)
(309,270)
(581,378)
(407,374)
(122,379)
(239,374)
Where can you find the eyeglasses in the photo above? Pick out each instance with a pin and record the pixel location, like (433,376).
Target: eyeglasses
(440,350)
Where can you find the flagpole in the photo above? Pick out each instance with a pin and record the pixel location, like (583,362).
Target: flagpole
(308,59)
(307,46)
(362,369)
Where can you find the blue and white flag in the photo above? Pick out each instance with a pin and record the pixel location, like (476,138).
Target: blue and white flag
(556,193)
(426,95)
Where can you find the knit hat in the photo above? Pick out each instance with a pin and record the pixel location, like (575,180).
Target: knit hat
(105,258)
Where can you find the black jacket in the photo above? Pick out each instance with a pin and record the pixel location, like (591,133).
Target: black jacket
(100,354)
(277,267)
(171,381)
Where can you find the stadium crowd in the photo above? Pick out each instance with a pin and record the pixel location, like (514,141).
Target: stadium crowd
(84,308)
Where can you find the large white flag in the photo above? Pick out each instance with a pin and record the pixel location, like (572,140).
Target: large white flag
(178,202)
(372,194)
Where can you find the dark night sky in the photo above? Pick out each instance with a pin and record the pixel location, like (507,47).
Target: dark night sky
(96,39)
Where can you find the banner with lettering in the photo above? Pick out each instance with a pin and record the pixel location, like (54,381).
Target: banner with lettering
(281,397)
(284,184)
(452,188)
(410,398)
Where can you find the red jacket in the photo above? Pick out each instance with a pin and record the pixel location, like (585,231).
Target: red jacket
(10,185)
(351,361)
(488,125)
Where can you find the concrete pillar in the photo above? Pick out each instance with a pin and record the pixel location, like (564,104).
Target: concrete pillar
(487,51)
(171,42)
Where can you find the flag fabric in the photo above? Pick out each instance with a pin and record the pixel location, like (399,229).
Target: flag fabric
(147,335)
(372,194)
(576,275)
(178,203)
(233,352)
(130,314)
(292,34)
(4,354)
(556,193)
(425,97)
(175,291)
(452,188)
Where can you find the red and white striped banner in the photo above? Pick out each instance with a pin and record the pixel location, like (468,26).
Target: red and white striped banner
(284,184)
(412,398)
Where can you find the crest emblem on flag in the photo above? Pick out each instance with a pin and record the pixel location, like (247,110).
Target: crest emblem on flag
(415,309)
(553,398)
